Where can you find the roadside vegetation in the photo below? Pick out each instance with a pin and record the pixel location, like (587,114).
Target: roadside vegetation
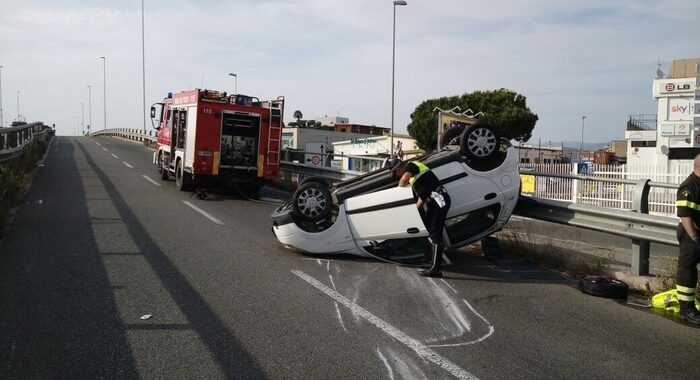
(14,179)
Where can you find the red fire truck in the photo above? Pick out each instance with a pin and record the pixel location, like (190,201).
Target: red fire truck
(208,138)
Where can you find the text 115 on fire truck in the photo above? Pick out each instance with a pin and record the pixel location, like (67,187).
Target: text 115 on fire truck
(208,138)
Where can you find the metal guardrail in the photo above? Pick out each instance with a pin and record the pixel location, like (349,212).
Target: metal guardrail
(14,140)
(128,133)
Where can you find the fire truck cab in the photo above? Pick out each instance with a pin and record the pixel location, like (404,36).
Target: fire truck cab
(208,138)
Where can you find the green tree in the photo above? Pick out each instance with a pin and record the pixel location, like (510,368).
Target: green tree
(298,115)
(503,109)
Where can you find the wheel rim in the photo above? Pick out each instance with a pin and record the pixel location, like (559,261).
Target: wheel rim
(311,202)
(481,142)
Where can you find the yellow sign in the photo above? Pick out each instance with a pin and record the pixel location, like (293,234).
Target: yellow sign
(528,183)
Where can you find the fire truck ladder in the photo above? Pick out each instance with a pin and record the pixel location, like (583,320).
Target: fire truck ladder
(274,140)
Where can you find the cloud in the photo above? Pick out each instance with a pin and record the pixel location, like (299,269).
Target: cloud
(569,58)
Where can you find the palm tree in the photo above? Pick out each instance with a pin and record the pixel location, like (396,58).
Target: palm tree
(298,115)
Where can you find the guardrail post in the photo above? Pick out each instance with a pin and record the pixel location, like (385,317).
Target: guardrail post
(640,248)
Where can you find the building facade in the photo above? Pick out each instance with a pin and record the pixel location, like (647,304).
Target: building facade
(672,136)
(368,154)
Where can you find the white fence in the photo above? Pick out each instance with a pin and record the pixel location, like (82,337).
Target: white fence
(610,195)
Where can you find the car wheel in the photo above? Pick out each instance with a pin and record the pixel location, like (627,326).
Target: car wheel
(479,142)
(312,201)
(451,136)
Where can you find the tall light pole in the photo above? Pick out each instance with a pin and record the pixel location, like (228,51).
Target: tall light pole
(18,106)
(235,82)
(104,71)
(2,114)
(82,116)
(89,108)
(583,123)
(393,64)
(143,58)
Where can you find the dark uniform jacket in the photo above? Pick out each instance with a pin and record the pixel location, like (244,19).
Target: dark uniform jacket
(688,199)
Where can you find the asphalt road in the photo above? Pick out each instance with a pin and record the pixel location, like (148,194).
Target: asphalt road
(101,242)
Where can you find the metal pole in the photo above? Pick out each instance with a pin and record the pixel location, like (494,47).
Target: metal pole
(235,82)
(82,116)
(143,57)
(18,106)
(580,151)
(104,70)
(89,108)
(393,64)
(2,113)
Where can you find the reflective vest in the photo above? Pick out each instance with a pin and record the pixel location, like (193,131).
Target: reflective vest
(422,168)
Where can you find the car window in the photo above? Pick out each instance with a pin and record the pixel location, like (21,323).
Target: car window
(409,251)
(466,226)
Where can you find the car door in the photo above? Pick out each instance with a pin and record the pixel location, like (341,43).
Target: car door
(385,214)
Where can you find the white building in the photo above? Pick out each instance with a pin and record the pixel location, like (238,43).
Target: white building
(674,136)
(332,120)
(368,153)
(316,143)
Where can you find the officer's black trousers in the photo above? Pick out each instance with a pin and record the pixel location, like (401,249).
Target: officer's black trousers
(435,218)
(688,259)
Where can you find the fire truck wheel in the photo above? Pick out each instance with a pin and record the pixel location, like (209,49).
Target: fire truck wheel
(451,136)
(312,201)
(479,142)
(183,180)
(162,170)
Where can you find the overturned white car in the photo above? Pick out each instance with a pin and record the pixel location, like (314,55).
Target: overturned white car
(370,216)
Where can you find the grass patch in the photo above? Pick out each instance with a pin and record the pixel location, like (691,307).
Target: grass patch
(568,256)
(14,179)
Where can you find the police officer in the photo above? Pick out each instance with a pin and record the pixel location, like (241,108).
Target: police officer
(432,198)
(688,206)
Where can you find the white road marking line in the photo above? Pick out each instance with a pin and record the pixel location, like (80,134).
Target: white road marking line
(150,180)
(97,143)
(422,350)
(386,364)
(115,156)
(448,285)
(105,149)
(127,165)
(491,330)
(208,215)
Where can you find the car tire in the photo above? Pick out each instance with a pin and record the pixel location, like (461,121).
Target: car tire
(312,201)
(479,142)
(183,180)
(451,136)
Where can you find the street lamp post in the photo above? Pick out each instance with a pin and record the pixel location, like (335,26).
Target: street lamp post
(18,106)
(82,116)
(143,68)
(2,113)
(393,64)
(235,82)
(583,123)
(89,108)
(104,73)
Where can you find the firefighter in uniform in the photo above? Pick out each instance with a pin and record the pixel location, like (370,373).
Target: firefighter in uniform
(434,200)
(688,206)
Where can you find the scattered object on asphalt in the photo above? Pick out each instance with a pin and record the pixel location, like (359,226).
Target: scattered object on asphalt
(146,316)
(200,193)
(603,286)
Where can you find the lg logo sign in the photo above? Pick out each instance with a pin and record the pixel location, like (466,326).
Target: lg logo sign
(670,87)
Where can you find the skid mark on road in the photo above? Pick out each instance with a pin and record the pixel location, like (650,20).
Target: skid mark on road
(419,348)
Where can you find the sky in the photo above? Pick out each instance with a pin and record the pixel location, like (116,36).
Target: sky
(334,57)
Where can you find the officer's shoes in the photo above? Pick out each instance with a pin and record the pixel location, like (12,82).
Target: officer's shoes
(430,272)
(689,314)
